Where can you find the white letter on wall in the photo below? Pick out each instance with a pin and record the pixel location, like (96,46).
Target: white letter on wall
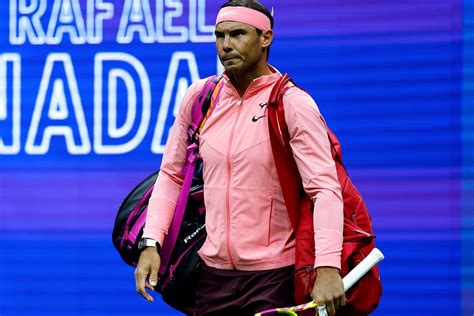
(197,18)
(157,145)
(166,31)
(10,113)
(66,17)
(25,21)
(95,19)
(59,110)
(114,132)
(136,17)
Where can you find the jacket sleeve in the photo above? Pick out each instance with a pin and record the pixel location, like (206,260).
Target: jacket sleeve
(312,152)
(168,185)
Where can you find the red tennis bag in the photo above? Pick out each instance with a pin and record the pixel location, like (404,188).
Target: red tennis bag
(364,296)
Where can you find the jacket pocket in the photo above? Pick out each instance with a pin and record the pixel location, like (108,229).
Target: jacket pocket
(251,220)
(270,216)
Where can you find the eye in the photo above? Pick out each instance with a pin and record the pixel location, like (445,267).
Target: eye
(237,33)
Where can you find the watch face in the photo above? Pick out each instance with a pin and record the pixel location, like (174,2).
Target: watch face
(141,244)
(146,242)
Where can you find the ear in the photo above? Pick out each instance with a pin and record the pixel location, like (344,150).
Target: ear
(267,38)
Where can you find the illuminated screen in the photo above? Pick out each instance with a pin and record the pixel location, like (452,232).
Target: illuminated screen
(89,90)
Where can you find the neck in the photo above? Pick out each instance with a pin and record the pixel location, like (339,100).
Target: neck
(243,80)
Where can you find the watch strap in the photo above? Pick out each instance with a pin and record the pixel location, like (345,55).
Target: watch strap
(149,242)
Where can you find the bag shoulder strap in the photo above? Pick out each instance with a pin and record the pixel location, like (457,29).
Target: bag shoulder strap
(203,106)
(287,170)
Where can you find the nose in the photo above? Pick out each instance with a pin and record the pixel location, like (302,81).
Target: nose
(226,45)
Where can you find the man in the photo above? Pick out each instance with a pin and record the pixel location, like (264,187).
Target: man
(249,254)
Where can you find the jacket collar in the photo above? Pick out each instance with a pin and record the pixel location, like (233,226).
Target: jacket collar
(258,83)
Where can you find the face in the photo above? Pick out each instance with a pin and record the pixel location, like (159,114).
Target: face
(239,46)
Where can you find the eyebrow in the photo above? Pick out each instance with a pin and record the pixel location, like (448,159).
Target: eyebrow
(232,32)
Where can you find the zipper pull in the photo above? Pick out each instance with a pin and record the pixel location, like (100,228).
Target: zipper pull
(171,276)
(240,102)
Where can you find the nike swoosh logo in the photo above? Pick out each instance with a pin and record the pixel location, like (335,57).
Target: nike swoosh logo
(262,105)
(256,118)
(226,13)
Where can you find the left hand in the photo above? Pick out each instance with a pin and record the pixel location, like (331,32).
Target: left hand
(328,289)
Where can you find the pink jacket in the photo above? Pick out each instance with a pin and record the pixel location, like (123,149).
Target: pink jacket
(247,222)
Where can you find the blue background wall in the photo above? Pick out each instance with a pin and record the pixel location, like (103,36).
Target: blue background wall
(394,80)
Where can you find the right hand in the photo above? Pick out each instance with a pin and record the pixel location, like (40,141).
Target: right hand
(146,273)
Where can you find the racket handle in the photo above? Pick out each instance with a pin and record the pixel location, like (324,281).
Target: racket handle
(374,257)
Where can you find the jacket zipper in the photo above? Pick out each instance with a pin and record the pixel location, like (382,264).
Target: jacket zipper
(229,253)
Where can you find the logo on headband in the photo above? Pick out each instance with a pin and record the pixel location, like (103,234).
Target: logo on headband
(244,15)
(226,13)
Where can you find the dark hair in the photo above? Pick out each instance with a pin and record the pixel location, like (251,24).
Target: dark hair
(252,4)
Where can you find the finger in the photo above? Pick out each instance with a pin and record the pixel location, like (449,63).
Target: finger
(148,286)
(140,284)
(330,308)
(145,294)
(139,279)
(153,277)
(343,301)
(337,304)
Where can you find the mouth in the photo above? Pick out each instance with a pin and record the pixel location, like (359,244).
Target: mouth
(229,58)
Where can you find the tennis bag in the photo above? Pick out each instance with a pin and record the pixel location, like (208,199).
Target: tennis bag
(365,295)
(180,263)
(181,274)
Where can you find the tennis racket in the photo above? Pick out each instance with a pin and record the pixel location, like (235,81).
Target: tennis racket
(374,257)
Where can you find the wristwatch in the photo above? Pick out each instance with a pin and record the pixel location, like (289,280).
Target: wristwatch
(148,242)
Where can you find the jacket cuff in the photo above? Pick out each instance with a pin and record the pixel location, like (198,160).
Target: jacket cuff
(328,261)
(328,248)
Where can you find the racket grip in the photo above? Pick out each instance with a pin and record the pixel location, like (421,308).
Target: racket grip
(374,257)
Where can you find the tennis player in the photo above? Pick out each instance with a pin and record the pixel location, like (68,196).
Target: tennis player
(249,254)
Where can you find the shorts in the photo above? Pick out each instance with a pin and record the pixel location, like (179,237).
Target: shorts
(232,292)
